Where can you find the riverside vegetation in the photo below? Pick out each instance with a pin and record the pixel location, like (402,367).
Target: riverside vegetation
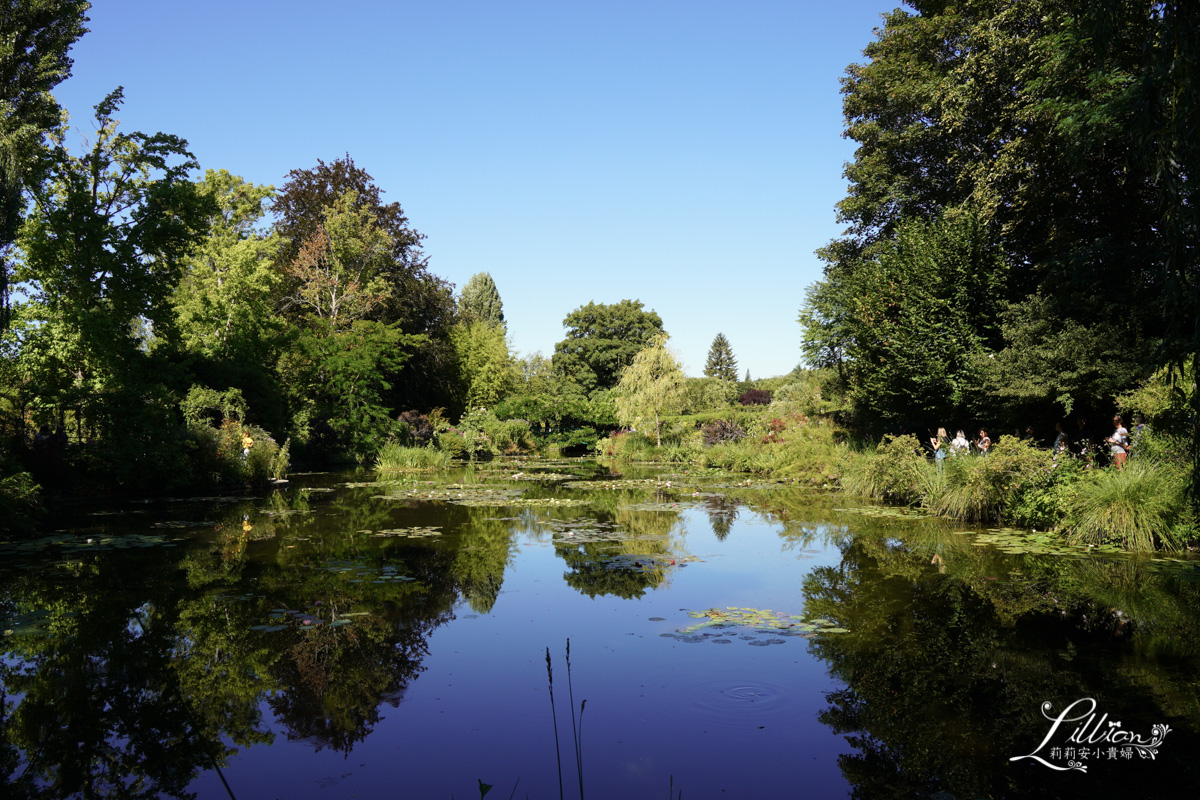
(248,315)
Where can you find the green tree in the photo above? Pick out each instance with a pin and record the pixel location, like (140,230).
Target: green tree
(486,369)
(650,387)
(103,248)
(721,363)
(419,301)
(339,272)
(544,397)
(35,36)
(602,340)
(224,302)
(1062,125)
(910,317)
(480,300)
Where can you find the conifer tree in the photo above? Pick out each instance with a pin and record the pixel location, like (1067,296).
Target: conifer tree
(721,363)
(480,300)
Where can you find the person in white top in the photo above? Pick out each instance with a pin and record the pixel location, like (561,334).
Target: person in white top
(960,443)
(1118,442)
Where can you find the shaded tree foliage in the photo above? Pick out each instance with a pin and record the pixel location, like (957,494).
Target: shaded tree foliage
(419,300)
(35,37)
(1060,125)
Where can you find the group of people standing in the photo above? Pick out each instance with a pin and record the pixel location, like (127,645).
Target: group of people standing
(944,446)
(1120,443)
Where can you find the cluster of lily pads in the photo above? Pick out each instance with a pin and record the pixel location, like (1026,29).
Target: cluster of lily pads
(425,532)
(77,544)
(282,619)
(722,625)
(644,563)
(358,572)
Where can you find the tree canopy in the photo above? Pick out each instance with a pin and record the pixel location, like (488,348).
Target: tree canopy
(37,35)
(1057,125)
(651,386)
(602,339)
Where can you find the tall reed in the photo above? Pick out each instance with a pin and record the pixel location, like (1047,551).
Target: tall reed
(394,457)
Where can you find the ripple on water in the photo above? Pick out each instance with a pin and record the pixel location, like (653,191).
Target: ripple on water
(747,703)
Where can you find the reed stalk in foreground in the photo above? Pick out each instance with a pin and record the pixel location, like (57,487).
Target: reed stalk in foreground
(554,717)
(576,733)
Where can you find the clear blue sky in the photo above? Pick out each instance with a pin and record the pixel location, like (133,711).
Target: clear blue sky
(685,154)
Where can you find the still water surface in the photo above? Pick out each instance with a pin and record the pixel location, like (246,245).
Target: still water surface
(342,638)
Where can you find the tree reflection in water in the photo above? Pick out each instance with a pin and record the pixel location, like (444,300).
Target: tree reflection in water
(946,669)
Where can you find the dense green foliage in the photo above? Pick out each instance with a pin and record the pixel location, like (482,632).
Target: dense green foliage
(650,387)
(602,340)
(33,60)
(1022,227)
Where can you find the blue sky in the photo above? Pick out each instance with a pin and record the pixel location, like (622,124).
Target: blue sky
(685,154)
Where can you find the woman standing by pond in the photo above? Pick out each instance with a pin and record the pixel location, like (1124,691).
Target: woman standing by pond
(1118,441)
(983,442)
(941,446)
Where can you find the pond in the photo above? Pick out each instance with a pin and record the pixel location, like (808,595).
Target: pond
(346,637)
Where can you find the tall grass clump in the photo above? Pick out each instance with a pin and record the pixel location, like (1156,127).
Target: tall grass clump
(896,469)
(626,446)
(982,488)
(394,457)
(1135,507)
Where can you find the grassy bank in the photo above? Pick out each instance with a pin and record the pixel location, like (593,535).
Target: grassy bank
(1141,507)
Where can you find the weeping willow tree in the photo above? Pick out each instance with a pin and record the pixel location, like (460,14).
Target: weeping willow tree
(650,387)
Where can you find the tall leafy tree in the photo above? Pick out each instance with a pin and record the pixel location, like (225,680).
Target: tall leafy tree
(340,271)
(651,386)
(1053,120)
(224,302)
(602,340)
(105,241)
(419,300)
(486,369)
(480,299)
(912,315)
(35,37)
(721,363)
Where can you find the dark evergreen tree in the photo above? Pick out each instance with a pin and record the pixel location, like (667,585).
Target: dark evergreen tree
(721,363)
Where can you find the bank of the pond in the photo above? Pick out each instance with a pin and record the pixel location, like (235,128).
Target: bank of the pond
(1140,507)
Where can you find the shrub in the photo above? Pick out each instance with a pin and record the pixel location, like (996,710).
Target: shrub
(1045,505)
(222,455)
(981,488)
(454,445)
(1135,507)
(626,446)
(722,430)
(895,470)
(755,397)
(20,502)
(415,429)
